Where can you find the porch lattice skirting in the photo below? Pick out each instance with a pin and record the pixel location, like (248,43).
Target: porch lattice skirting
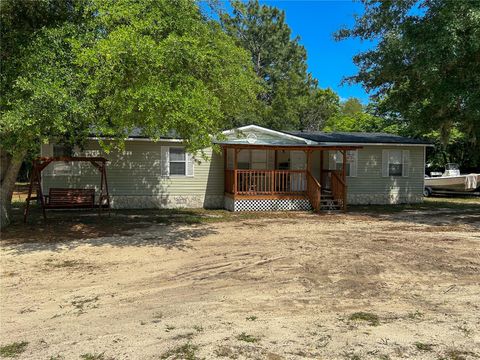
(267,204)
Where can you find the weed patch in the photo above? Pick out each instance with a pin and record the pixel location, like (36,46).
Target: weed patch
(247,338)
(372,319)
(13,349)
(90,356)
(423,346)
(183,352)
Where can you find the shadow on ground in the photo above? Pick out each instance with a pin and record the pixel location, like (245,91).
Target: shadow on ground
(69,229)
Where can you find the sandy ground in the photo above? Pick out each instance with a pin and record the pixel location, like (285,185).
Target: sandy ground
(263,288)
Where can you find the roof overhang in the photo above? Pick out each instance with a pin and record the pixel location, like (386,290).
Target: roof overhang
(306,147)
(267,131)
(373,144)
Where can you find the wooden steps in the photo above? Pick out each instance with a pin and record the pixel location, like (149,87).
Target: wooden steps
(328,203)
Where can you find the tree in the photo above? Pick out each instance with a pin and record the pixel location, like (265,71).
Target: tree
(354,117)
(277,59)
(351,107)
(104,67)
(317,108)
(425,67)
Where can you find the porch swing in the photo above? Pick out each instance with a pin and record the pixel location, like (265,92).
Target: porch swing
(67,198)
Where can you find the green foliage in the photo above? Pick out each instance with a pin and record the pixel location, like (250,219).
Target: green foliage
(458,149)
(351,106)
(425,67)
(317,108)
(353,117)
(162,66)
(278,60)
(105,67)
(40,93)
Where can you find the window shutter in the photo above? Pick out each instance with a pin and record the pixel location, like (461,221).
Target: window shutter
(332,160)
(165,161)
(405,163)
(385,163)
(353,163)
(189,164)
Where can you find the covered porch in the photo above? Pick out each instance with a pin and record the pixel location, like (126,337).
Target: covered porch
(285,177)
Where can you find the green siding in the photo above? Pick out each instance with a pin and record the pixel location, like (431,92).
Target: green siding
(138,171)
(369,178)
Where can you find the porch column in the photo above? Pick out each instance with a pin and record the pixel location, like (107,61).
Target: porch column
(344,166)
(321,169)
(235,171)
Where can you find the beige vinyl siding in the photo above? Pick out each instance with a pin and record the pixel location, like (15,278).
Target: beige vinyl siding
(137,171)
(369,172)
(369,186)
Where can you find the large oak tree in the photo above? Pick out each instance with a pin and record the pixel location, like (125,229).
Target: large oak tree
(75,68)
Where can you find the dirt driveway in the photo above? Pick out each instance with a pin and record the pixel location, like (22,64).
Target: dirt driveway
(298,286)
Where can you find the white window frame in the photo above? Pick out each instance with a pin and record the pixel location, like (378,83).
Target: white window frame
(170,161)
(188,163)
(400,156)
(404,162)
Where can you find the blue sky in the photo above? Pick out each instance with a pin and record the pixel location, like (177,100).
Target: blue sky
(315,22)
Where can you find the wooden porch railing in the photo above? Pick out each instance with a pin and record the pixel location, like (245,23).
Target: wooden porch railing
(314,191)
(266,182)
(339,189)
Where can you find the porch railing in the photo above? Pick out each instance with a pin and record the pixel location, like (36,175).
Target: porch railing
(266,182)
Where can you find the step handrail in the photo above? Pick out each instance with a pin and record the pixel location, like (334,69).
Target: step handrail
(314,191)
(339,190)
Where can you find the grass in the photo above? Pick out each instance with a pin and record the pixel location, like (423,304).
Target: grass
(80,304)
(184,352)
(198,328)
(372,319)
(13,349)
(169,328)
(415,315)
(456,354)
(251,318)
(247,338)
(90,356)
(423,346)
(469,204)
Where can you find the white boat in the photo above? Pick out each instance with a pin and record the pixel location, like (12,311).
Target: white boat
(452,180)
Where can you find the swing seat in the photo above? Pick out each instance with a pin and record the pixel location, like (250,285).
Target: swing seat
(59,198)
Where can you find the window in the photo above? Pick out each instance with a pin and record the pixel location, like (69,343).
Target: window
(395,162)
(351,166)
(177,161)
(62,168)
(62,150)
(395,165)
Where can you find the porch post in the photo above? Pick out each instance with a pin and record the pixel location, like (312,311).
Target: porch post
(307,152)
(344,175)
(321,168)
(235,171)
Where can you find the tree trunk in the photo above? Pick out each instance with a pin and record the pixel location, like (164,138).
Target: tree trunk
(10,166)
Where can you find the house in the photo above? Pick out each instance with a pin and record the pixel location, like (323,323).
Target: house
(256,169)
